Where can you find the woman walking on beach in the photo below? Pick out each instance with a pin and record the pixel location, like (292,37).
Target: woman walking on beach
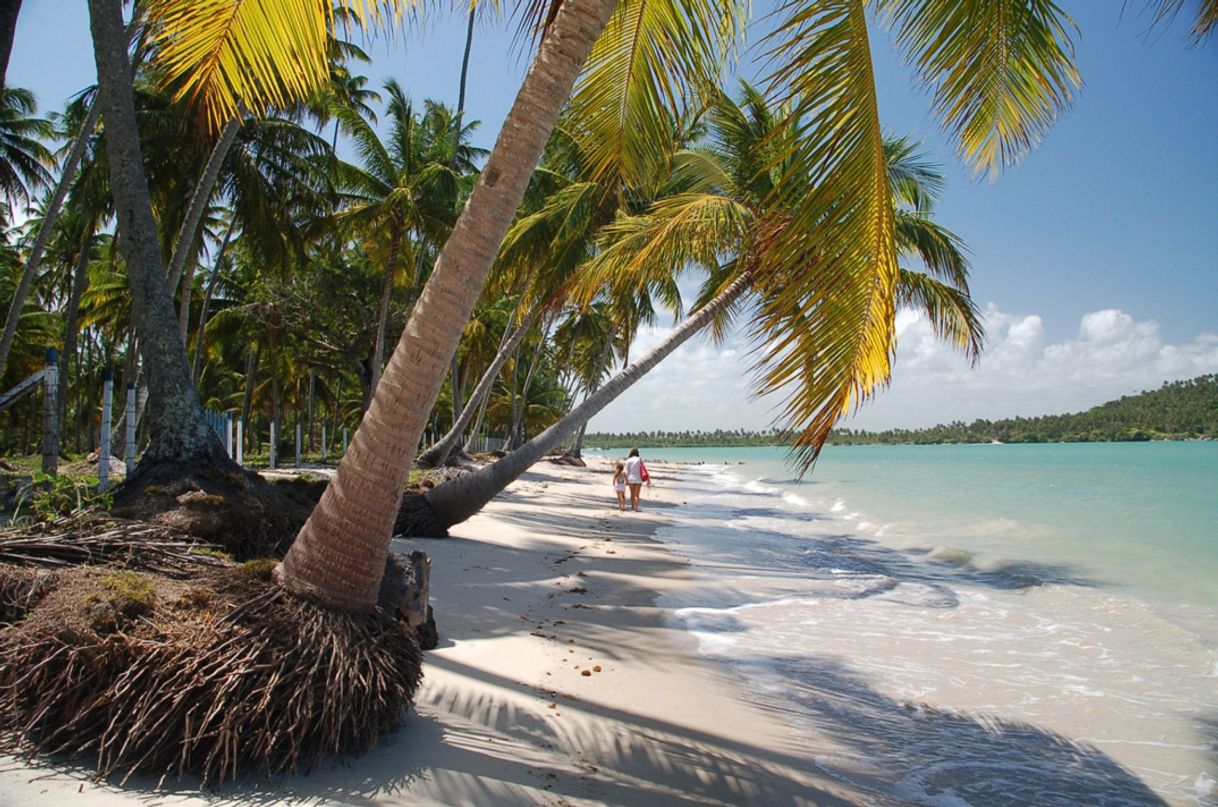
(636,475)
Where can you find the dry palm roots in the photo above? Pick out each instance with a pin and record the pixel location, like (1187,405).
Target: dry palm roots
(170,663)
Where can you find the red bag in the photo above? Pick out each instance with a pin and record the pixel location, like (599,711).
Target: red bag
(646,477)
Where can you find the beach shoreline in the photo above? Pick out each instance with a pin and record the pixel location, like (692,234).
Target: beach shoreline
(558,680)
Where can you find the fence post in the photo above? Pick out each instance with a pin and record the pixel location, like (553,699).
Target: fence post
(298,444)
(273,463)
(241,442)
(103,453)
(130,447)
(228,433)
(323,444)
(50,413)
(346,433)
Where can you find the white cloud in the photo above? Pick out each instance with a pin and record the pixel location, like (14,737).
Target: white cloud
(1020,373)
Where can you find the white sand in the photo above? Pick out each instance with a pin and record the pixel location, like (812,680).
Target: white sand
(505,716)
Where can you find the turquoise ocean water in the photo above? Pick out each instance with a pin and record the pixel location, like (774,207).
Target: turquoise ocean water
(969,625)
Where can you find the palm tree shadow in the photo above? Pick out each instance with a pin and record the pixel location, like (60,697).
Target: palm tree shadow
(928,754)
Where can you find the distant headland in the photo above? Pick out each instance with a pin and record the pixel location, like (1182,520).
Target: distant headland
(1178,410)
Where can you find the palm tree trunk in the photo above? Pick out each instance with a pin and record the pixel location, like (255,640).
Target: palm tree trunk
(49,220)
(437,455)
(71,316)
(469,41)
(251,373)
(378,348)
(520,402)
(9,9)
(197,365)
(198,205)
(577,446)
(456,500)
(339,555)
(178,433)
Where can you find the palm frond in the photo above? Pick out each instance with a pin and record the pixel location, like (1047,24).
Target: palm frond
(639,78)
(677,233)
(953,315)
(1204,22)
(260,54)
(826,268)
(1002,70)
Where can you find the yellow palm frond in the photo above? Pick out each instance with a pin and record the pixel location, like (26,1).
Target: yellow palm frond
(827,266)
(639,78)
(258,54)
(1002,70)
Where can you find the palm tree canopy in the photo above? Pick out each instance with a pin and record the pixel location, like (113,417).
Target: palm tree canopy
(718,222)
(24,158)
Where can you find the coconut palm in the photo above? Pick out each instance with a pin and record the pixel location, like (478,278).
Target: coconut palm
(24,158)
(713,224)
(1001,72)
(23,169)
(406,193)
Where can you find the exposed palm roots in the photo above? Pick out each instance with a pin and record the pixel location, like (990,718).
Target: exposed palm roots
(214,676)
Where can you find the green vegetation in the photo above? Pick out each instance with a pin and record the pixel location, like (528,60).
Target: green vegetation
(1179,410)
(687,439)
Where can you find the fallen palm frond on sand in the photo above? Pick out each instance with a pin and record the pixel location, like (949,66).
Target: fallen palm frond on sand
(168,662)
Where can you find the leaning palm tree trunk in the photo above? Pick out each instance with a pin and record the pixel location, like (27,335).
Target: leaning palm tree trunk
(339,555)
(196,364)
(198,204)
(79,281)
(437,455)
(457,499)
(49,220)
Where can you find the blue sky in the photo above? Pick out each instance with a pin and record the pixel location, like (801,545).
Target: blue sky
(1096,259)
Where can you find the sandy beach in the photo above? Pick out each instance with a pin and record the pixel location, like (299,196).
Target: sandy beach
(558,680)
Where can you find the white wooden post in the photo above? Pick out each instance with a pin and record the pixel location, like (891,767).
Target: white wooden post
(50,413)
(298,444)
(274,439)
(241,442)
(323,443)
(103,453)
(130,448)
(228,433)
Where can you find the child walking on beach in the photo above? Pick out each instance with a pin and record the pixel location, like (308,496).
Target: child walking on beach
(619,486)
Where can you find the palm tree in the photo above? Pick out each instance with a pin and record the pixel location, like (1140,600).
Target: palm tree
(406,194)
(1001,72)
(714,227)
(23,156)
(178,431)
(23,169)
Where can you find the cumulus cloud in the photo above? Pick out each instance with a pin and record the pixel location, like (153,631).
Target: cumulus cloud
(1021,372)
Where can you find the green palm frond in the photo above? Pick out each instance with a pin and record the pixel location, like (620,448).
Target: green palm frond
(676,234)
(953,315)
(916,181)
(260,54)
(24,157)
(939,249)
(826,267)
(1002,70)
(639,78)
(1204,21)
